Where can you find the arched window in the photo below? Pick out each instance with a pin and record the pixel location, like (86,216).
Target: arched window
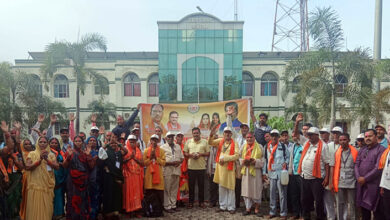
(61,87)
(102,86)
(341,83)
(132,85)
(37,84)
(295,84)
(247,84)
(269,84)
(153,85)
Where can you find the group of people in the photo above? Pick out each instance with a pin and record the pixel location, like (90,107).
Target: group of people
(116,172)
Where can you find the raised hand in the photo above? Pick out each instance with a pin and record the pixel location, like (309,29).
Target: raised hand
(213,130)
(93,118)
(69,151)
(41,118)
(101,130)
(139,106)
(53,119)
(4,127)
(17,125)
(299,117)
(87,150)
(72,117)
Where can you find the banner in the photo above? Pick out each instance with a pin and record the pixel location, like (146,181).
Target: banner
(184,117)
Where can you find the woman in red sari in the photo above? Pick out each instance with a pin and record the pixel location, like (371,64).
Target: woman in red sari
(133,177)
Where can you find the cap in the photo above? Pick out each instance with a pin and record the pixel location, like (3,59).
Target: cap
(94,128)
(64,129)
(381,126)
(337,129)
(179,133)
(134,129)
(360,136)
(132,137)
(244,124)
(274,131)
(170,133)
(313,130)
(227,129)
(154,136)
(326,130)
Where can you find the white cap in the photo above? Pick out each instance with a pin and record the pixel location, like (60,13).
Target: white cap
(169,133)
(227,129)
(274,131)
(154,136)
(134,129)
(132,137)
(244,124)
(179,133)
(94,128)
(360,136)
(313,130)
(337,129)
(324,130)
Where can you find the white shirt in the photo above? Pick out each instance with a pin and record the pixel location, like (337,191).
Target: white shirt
(385,180)
(308,161)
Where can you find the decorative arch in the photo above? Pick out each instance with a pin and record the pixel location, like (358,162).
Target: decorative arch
(269,84)
(37,83)
(247,84)
(102,87)
(131,85)
(153,82)
(61,86)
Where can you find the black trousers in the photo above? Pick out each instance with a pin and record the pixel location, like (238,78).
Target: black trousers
(159,195)
(237,191)
(294,190)
(366,214)
(196,176)
(213,191)
(384,204)
(312,191)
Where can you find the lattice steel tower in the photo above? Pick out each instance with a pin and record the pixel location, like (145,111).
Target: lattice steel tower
(290,26)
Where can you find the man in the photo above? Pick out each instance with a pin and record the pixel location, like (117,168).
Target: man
(64,141)
(368,175)
(325,134)
(342,179)
(156,115)
(305,127)
(294,184)
(278,160)
(261,126)
(314,170)
(141,144)
(235,122)
(124,127)
(284,138)
(329,197)
(360,141)
(173,123)
(381,131)
(211,165)
(196,149)
(154,160)
(225,175)
(173,157)
(384,164)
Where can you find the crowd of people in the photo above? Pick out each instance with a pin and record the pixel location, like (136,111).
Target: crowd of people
(114,173)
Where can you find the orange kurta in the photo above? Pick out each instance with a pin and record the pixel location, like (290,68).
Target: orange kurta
(133,181)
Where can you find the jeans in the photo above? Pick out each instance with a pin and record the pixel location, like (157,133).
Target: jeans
(277,186)
(345,197)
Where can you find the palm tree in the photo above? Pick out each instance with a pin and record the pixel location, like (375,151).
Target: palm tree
(60,54)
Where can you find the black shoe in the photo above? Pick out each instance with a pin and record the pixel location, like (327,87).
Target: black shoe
(245,213)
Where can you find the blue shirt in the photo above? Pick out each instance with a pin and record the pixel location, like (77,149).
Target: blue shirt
(297,152)
(279,159)
(384,142)
(236,125)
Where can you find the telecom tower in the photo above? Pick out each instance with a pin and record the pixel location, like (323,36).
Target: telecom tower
(290,26)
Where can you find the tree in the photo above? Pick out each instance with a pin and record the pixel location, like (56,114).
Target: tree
(280,124)
(104,112)
(60,54)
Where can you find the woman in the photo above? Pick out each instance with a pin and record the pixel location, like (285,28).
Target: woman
(133,176)
(41,181)
(113,179)
(251,184)
(215,121)
(26,147)
(60,176)
(94,187)
(204,125)
(79,162)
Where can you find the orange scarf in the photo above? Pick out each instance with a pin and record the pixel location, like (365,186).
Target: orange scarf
(382,161)
(337,165)
(230,164)
(249,152)
(154,168)
(317,159)
(170,127)
(4,171)
(271,159)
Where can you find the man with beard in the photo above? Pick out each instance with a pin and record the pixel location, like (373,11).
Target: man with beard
(381,132)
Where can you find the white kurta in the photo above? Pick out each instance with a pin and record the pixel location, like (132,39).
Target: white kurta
(252,186)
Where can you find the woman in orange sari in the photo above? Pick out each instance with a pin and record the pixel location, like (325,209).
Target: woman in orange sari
(133,177)
(26,147)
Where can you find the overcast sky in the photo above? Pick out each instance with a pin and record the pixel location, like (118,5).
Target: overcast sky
(131,25)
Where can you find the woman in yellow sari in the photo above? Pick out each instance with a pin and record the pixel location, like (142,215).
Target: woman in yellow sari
(41,181)
(26,147)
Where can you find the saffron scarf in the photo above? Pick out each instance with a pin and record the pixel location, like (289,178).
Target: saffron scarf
(154,168)
(317,159)
(4,171)
(271,159)
(254,152)
(220,146)
(337,165)
(382,161)
(170,127)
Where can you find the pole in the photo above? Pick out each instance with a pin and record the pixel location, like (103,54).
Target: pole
(197,81)
(378,35)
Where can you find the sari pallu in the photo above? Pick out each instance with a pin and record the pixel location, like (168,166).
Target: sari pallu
(133,181)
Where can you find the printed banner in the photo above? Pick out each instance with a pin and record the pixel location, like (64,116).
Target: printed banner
(184,117)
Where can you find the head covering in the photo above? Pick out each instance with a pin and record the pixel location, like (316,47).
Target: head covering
(274,131)
(94,128)
(89,138)
(179,133)
(313,130)
(132,137)
(244,124)
(154,136)
(360,136)
(326,130)
(227,129)
(380,126)
(170,133)
(337,129)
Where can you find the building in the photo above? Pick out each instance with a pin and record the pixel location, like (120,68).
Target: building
(199,51)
